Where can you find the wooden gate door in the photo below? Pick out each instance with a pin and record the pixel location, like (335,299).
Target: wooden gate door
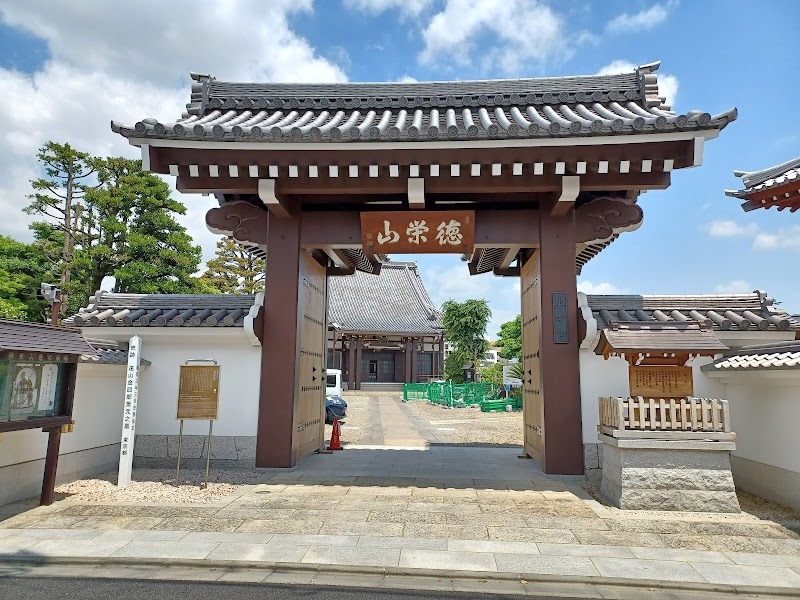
(310,414)
(532,392)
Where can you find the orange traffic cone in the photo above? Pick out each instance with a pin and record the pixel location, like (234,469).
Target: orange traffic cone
(336,443)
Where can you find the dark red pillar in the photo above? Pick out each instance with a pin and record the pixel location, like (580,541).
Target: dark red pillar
(407,359)
(50,466)
(414,361)
(358,365)
(280,346)
(351,364)
(563,452)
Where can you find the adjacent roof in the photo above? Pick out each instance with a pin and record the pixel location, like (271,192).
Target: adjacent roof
(659,337)
(758,184)
(780,356)
(163,310)
(720,312)
(449,110)
(393,302)
(36,337)
(109,356)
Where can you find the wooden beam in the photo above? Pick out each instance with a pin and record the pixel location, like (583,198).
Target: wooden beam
(570,187)
(278,206)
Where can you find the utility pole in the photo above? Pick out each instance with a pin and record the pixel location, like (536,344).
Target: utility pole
(52,294)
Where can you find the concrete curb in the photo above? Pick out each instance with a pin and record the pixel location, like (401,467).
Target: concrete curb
(488,576)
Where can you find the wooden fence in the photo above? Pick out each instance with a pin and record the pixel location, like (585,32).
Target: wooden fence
(659,414)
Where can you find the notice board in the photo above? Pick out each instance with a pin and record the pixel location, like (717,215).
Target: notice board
(198,392)
(661,381)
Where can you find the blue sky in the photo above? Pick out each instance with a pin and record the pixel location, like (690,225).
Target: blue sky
(67,70)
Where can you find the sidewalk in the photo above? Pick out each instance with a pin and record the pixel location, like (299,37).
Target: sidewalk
(393,512)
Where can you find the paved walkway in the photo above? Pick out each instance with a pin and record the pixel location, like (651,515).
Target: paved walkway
(405,506)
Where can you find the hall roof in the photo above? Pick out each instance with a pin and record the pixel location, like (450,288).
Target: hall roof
(593,105)
(775,186)
(719,312)
(779,356)
(393,302)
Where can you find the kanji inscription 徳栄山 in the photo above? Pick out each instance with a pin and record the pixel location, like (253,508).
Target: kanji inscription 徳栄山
(454,231)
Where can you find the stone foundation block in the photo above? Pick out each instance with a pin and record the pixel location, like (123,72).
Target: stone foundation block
(150,446)
(245,447)
(668,475)
(590,456)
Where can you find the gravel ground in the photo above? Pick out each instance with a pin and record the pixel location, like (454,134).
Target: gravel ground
(357,422)
(155,485)
(470,425)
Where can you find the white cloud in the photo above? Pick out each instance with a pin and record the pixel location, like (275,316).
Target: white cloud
(667,84)
(99,69)
(522,31)
(738,286)
(407,79)
(643,20)
(785,238)
(588,287)
(406,7)
(723,228)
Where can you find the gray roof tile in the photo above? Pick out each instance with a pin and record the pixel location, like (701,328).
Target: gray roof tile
(772,177)
(721,312)
(784,355)
(37,337)
(450,110)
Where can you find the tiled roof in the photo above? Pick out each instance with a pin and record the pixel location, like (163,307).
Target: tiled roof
(756,181)
(37,337)
(163,310)
(720,312)
(109,356)
(393,302)
(657,336)
(785,355)
(449,110)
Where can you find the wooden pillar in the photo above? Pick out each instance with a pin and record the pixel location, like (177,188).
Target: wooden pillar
(351,364)
(50,466)
(358,365)
(434,359)
(560,368)
(280,346)
(407,359)
(414,361)
(441,357)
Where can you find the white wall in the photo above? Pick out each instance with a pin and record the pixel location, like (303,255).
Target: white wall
(94,443)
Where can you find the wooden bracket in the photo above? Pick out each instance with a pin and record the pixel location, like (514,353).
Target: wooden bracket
(276,205)
(570,187)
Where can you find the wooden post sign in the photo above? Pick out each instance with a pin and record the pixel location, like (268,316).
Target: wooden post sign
(418,232)
(129,412)
(198,392)
(661,381)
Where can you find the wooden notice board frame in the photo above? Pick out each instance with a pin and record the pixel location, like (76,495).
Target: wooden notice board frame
(198,392)
(667,381)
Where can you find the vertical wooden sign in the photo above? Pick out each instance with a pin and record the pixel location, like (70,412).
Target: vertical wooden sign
(129,412)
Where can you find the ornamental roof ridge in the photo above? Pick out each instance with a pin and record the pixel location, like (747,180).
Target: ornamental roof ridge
(771,177)
(625,103)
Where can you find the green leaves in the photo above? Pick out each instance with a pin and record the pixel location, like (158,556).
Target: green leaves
(465,328)
(235,270)
(510,339)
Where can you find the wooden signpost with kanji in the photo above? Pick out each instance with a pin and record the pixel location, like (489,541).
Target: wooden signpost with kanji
(418,232)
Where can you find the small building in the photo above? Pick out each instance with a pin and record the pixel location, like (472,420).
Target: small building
(777,186)
(384,329)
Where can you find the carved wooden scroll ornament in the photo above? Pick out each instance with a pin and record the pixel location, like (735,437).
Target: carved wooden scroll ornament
(600,219)
(244,222)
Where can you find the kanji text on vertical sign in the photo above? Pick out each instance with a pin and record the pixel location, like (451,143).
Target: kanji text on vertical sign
(198,392)
(418,231)
(129,412)
(560,327)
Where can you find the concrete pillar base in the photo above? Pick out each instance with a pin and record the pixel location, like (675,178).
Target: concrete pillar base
(647,474)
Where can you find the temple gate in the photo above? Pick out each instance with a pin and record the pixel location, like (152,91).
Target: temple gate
(545,173)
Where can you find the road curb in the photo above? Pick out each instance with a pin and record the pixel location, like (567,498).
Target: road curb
(531,579)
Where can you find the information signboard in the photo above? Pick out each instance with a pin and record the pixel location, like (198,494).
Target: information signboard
(508,380)
(661,381)
(198,392)
(129,412)
(418,232)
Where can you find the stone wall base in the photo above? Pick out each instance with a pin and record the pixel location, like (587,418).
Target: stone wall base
(644,474)
(226,451)
(770,482)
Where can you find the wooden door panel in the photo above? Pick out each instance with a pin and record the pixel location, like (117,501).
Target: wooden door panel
(532,392)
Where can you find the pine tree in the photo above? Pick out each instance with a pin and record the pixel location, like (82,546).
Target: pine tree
(235,269)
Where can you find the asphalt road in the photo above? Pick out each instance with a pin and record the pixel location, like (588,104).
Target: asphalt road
(48,588)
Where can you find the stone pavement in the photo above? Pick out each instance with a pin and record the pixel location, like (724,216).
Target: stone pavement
(406,507)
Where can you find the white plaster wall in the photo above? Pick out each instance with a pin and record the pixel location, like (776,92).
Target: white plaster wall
(599,377)
(765,416)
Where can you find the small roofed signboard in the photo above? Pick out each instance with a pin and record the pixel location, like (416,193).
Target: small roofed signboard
(198,392)
(661,381)
(418,232)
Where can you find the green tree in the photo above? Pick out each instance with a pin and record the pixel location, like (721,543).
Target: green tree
(509,338)
(493,374)
(23,268)
(465,327)
(58,198)
(234,269)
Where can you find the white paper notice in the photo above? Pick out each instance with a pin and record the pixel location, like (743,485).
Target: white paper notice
(47,390)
